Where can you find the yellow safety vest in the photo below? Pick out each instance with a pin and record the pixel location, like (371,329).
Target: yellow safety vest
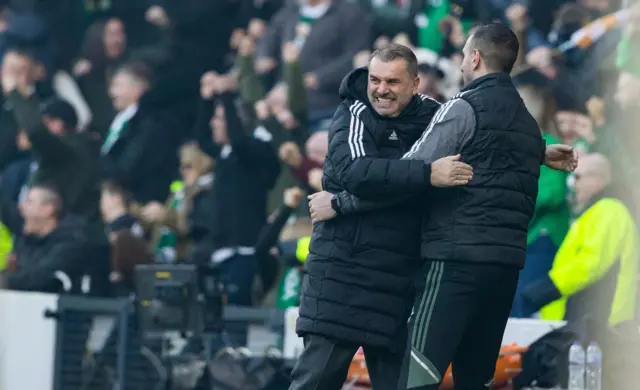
(5,246)
(602,236)
(302,249)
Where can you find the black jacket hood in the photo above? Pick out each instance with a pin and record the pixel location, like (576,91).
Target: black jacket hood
(354,87)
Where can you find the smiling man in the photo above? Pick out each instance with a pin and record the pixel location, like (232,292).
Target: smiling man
(358,286)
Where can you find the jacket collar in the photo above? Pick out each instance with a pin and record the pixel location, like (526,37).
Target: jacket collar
(488,80)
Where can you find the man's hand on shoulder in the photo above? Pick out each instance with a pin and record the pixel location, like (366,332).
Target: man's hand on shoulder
(450,171)
(561,157)
(320,206)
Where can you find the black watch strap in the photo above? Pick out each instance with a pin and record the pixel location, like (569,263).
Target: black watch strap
(335,204)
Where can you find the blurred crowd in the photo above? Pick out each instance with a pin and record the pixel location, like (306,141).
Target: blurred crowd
(134,132)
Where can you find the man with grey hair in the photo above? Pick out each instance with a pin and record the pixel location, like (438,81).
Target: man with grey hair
(358,286)
(48,251)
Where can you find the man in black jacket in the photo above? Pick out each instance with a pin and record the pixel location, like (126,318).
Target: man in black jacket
(246,169)
(358,286)
(50,251)
(144,118)
(474,236)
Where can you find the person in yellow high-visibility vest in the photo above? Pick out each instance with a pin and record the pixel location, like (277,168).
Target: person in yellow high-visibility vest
(594,273)
(5,246)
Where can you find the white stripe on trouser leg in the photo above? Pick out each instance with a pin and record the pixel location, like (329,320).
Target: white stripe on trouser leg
(439,116)
(421,371)
(423,365)
(423,317)
(421,310)
(356,128)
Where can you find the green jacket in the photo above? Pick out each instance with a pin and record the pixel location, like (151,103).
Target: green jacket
(429,34)
(551,216)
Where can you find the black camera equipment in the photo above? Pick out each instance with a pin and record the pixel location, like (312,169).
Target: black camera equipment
(182,299)
(178,297)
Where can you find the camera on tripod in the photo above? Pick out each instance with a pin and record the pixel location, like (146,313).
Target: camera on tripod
(179,297)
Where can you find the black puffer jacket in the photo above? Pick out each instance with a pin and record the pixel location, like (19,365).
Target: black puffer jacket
(358,287)
(487,220)
(40,259)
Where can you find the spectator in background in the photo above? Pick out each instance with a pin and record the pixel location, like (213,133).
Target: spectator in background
(317,147)
(273,258)
(63,158)
(550,221)
(391,17)
(17,64)
(329,34)
(116,210)
(50,252)
(283,110)
(30,31)
(430,81)
(246,169)
(5,247)
(547,229)
(104,49)
(199,32)
(300,165)
(128,156)
(64,86)
(127,251)
(594,274)
(442,24)
(574,73)
(184,221)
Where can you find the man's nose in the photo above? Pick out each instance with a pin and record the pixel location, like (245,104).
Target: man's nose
(383,88)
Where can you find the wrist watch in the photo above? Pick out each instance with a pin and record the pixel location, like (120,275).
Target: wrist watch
(335,204)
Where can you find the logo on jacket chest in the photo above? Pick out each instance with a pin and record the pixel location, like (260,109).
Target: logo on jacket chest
(390,137)
(391,145)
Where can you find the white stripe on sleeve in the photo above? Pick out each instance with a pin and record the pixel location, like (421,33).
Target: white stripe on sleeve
(425,97)
(438,117)
(356,129)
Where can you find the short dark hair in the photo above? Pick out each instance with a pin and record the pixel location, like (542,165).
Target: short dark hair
(498,46)
(114,188)
(138,70)
(60,109)
(394,51)
(51,196)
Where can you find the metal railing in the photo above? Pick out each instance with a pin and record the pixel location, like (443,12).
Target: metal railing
(98,344)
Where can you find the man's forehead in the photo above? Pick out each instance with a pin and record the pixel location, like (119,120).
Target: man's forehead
(388,70)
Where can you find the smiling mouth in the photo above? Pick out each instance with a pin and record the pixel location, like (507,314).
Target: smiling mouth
(383,100)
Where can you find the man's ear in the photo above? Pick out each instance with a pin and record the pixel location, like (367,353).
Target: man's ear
(477,58)
(416,84)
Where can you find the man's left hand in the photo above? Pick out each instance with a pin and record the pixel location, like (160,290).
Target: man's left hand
(561,157)
(320,207)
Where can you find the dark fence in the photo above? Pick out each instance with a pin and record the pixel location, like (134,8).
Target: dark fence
(99,346)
